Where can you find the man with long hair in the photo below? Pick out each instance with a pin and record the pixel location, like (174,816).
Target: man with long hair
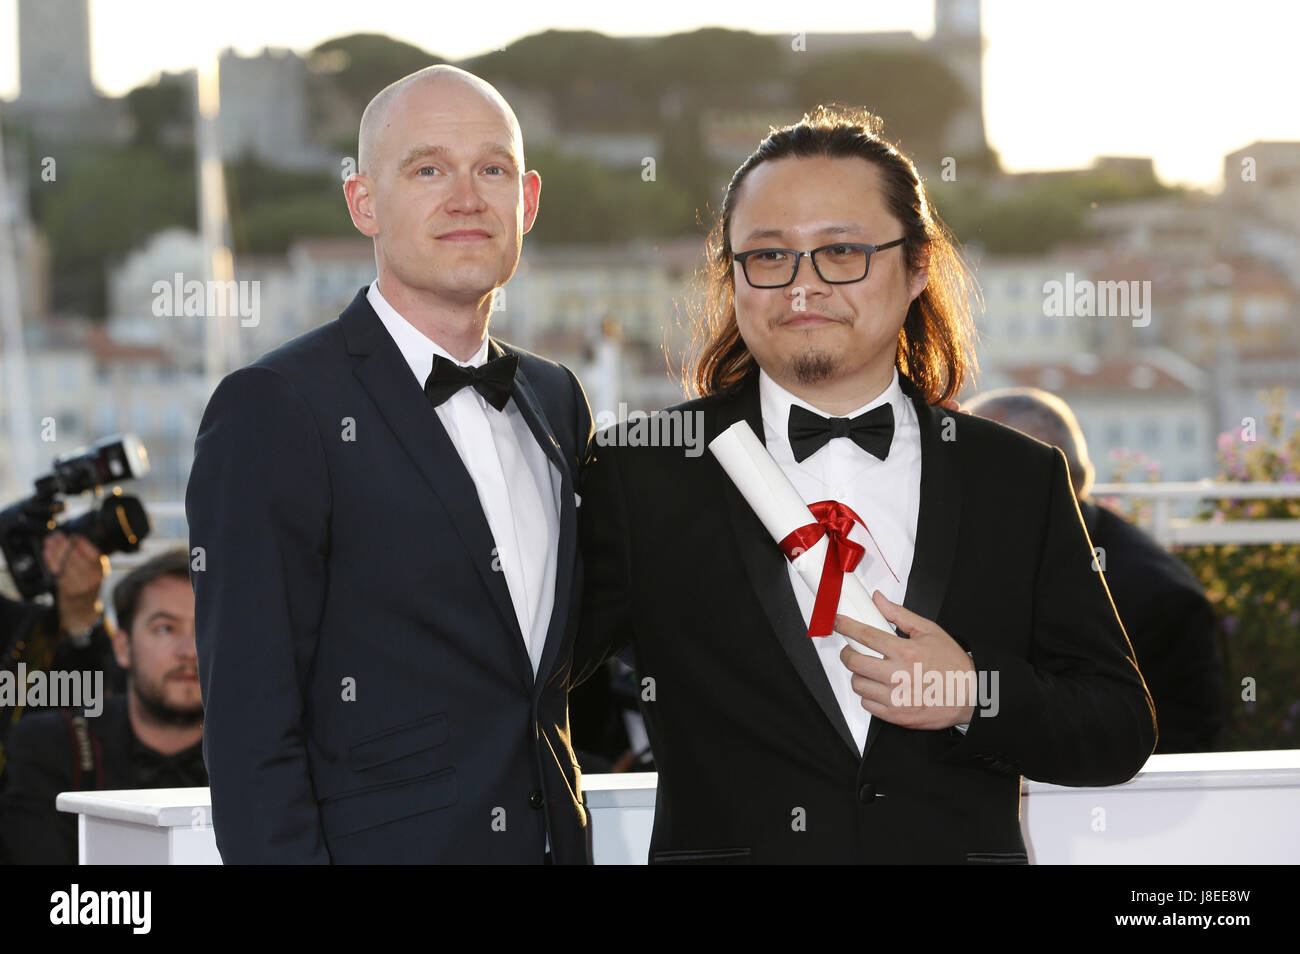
(836,324)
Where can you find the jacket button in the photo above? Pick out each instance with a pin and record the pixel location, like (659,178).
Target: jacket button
(535,799)
(867,793)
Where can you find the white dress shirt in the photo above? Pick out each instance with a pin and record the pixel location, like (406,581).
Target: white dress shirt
(518,486)
(886,494)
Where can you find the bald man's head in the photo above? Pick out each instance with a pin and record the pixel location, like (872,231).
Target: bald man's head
(441,188)
(1045,416)
(454,85)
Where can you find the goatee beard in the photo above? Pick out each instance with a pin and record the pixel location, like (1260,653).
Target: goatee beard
(812,367)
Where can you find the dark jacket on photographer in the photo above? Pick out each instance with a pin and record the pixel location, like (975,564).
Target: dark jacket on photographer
(31,633)
(62,751)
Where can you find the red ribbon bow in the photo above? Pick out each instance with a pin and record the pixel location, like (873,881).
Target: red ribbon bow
(834,521)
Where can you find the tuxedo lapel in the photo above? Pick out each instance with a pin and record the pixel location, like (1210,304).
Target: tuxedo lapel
(941,503)
(766,566)
(387,378)
(531,410)
(938,517)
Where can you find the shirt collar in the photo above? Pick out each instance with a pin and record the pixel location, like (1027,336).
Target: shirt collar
(418,350)
(776,402)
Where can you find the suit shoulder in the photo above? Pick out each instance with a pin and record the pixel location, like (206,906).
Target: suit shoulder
(306,354)
(43,732)
(1136,553)
(48,730)
(991,438)
(697,408)
(706,404)
(310,366)
(1112,526)
(538,367)
(664,440)
(40,746)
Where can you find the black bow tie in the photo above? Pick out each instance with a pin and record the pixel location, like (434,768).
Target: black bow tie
(872,431)
(494,380)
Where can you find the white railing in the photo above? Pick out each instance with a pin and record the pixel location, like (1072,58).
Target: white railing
(1169,530)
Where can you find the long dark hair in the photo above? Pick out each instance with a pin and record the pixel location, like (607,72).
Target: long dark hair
(936,342)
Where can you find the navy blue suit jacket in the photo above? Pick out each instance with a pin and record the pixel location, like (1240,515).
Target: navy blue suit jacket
(368,693)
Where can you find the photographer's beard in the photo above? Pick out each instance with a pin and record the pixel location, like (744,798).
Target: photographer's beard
(154,705)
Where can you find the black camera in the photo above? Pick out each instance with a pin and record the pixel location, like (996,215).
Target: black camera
(117,525)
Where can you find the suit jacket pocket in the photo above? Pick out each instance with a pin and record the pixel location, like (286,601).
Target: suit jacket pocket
(397,742)
(355,811)
(702,856)
(997,858)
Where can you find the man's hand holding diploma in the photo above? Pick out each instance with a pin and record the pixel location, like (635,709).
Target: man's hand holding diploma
(929,646)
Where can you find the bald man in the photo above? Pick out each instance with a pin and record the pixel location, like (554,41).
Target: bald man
(382,517)
(1171,624)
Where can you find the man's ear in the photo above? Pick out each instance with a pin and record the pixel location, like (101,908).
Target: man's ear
(919,277)
(361,205)
(121,642)
(532,198)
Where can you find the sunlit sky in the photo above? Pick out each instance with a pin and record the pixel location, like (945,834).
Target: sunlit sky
(1185,82)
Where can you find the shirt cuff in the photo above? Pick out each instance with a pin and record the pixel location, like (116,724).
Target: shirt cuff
(965,725)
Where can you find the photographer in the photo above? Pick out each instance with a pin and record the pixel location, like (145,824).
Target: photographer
(50,645)
(151,737)
(69,635)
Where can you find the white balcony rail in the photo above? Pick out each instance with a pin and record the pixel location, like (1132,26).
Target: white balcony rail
(1169,530)
(1166,528)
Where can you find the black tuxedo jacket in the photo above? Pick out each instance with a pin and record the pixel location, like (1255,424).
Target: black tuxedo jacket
(755,759)
(368,693)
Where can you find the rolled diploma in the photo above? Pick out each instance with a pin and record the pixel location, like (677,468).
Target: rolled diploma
(781,510)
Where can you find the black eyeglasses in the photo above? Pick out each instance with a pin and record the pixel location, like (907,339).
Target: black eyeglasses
(840,264)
